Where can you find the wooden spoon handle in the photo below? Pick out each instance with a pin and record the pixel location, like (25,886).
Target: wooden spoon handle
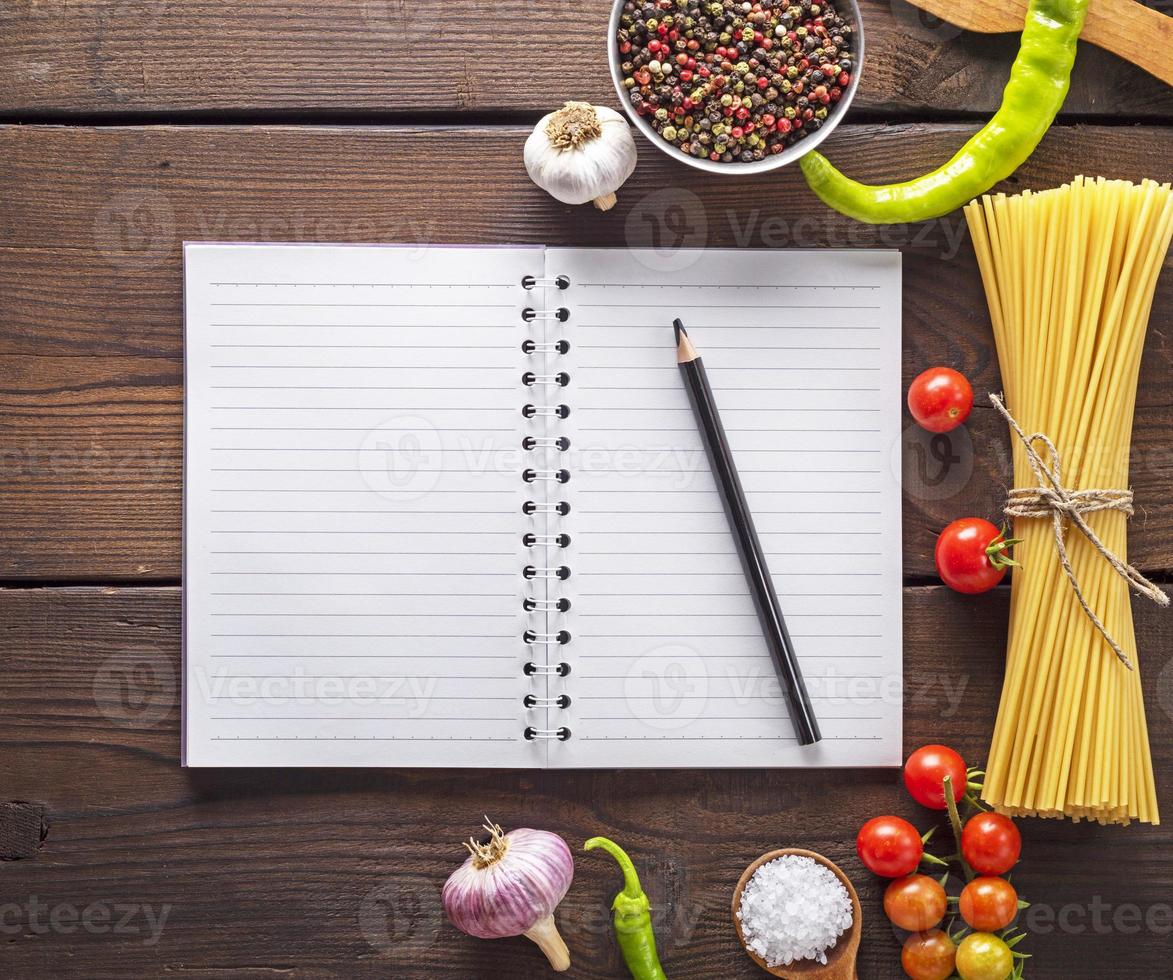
(842,969)
(1134,32)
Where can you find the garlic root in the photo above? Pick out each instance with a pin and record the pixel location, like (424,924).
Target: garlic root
(605,202)
(545,934)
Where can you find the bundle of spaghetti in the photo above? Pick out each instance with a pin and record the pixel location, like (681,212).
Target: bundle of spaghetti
(1070,275)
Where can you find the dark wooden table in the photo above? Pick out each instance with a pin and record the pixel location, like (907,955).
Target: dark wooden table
(130,126)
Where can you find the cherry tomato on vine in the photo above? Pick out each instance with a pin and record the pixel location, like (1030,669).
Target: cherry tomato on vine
(984,956)
(915,903)
(928,955)
(889,846)
(940,399)
(972,555)
(989,903)
(925,771)
(991,843)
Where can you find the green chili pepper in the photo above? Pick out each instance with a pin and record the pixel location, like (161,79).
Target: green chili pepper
(1033,97)
(632,917)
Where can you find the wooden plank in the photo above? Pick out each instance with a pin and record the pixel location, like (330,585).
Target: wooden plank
(378,56)
(337,872)
(91,341)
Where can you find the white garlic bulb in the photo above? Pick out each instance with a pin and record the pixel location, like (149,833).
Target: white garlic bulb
(581,153)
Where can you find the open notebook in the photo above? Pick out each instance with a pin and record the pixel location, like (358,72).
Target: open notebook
(448,506)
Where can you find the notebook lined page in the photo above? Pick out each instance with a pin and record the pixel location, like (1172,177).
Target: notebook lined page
(353,506)
(803,352)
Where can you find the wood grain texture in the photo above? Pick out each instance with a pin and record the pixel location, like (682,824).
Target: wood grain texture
(1143,35)
(1137,33)
(125,56)
(335,873)
(90,272)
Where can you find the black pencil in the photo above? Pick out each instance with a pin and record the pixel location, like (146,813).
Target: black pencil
(749,547)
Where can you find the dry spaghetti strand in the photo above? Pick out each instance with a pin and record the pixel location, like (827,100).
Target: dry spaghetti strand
(1070,276)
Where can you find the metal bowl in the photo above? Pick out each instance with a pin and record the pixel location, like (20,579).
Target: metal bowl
(849,9)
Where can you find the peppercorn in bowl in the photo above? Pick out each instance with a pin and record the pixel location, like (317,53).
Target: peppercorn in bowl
(732,86)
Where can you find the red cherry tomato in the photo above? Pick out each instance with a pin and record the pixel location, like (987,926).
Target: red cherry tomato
(971,555)
(889,846)
(915,903)
(989,903)
(991,843)
(940,399)
(928,955)
(925,771)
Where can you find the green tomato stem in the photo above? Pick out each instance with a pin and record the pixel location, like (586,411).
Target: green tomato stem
(955,823)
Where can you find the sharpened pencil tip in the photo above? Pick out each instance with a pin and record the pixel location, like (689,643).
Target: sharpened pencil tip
(685,352)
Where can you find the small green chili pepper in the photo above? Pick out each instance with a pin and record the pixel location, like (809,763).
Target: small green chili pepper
(632,917)
(1033,97)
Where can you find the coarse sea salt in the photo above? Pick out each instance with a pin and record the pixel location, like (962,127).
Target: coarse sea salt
(793,908)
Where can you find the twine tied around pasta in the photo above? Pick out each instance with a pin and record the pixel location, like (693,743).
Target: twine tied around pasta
(1051,499)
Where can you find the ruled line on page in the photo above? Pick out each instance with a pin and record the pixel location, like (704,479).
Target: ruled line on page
(392,306)
(366,491)
(741,575)
(302,530)
(700,615)
(364,595)
(719,388)
(377,513)
(820,328)
(310,554)
(361,367)
(323,574)
(725,411)
(727,636)
(755,511)
(654,470)
(709,717)
(724,306)
(364,428)
(676,594)
(713,368)
(365,325)
(377,656)
(463,346)
(644,552)
(353,470)
(720,738)
(358,615)
(689,533)
(398,285)
(727,429)
(719,285)
(361,636)
(494,387)
(464,451)
(349,718)
(360,738)
(710,346)
(353,408)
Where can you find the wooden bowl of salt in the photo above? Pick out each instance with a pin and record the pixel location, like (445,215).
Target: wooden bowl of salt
(841,957)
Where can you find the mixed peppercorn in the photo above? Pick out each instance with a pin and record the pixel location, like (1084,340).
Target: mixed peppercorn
(734,81)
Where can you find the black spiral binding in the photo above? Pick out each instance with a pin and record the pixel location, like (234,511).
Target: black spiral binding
(532,637)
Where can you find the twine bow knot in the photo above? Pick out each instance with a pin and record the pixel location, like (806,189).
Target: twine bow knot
(1052,499)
